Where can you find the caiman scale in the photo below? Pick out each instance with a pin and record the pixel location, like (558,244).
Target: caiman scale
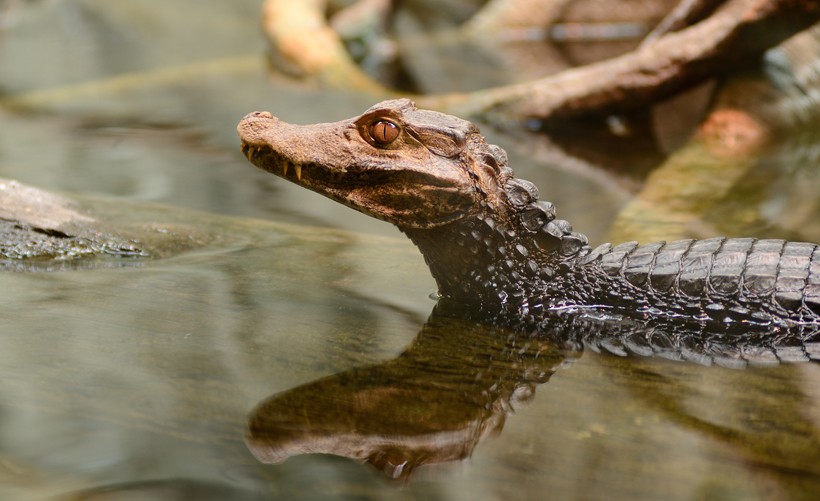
(489,241)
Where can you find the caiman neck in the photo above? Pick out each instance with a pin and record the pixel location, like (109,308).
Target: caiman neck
(500,256)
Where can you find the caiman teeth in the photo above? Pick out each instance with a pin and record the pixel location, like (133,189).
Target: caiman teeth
(285,167)
(298,169)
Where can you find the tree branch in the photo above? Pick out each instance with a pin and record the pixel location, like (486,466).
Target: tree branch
(737,32)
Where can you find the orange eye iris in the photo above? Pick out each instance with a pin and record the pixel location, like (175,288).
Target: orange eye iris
(383,132)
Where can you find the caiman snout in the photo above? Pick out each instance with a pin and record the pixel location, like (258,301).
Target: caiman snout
(250,128)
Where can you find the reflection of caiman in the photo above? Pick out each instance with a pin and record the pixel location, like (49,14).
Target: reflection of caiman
(488,240)
(456,385)
(433,404)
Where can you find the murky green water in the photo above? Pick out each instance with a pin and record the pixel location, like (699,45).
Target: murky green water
(138,382)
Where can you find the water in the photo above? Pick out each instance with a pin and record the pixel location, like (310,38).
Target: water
(139,382)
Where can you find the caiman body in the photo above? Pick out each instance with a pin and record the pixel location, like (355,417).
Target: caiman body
(490,242)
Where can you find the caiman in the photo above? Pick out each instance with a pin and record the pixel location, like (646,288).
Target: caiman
(490,242)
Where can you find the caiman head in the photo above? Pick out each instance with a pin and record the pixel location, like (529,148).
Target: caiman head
(482,231)
(411,167)
(414,168)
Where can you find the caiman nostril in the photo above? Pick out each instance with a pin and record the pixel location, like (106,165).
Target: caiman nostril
(262,114)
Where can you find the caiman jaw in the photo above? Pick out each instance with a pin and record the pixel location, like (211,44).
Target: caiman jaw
(254,146)
(261,155)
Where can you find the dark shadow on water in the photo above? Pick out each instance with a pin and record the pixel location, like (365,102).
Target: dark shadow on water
(462,377)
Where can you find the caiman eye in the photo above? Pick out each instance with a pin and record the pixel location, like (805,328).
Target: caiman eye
(383,132)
